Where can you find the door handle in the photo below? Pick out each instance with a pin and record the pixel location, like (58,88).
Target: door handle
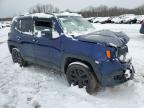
(34,40)
(18,38)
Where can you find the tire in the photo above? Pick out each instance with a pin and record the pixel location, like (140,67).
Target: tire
(80,74)
(17,58)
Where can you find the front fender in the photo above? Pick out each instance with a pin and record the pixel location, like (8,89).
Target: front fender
(89,60)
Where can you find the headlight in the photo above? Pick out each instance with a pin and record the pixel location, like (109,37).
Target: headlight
(122,58)
(125,58)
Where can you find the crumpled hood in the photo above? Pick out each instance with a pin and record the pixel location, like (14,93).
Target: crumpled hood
(107,37)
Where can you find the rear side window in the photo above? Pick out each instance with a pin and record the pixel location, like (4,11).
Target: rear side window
(13,25)
(16,25)
(26,25)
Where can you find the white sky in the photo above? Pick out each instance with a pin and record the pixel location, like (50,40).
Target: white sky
(13,7)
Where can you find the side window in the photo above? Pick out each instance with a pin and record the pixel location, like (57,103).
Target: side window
(13,25)
(16,25)
(41,25)
(44,24)
(26,26)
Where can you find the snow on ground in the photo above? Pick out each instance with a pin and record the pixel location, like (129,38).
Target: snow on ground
(40,87)
(3,34)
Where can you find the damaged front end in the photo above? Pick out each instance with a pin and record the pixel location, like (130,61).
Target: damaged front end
(117,68)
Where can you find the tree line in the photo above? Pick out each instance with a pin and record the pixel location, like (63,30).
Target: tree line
(101,11)
(110,11)
(46,8)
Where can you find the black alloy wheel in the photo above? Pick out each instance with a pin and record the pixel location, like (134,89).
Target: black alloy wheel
(80,74)
(17,58)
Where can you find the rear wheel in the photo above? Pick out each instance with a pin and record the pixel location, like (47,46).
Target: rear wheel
(80,74)
(17,58)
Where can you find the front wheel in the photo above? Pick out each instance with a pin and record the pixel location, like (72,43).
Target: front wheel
(17,58)
(80,74)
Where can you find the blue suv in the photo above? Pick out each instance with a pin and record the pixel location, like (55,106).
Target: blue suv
(70,44)
(142,28)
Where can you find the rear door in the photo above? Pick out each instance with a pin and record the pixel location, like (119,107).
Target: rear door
(26,38)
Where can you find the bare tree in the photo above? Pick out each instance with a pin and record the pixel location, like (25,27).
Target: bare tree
(110,11)
(48,8)
(68,10)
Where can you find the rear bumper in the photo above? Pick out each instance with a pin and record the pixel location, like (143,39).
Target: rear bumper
(115,73)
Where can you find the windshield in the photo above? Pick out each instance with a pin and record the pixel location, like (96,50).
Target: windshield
(75,26)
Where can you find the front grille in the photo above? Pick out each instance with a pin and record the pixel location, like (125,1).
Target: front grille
(119,77)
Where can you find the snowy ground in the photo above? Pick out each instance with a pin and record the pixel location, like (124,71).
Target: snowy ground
(3,34)
(39,87)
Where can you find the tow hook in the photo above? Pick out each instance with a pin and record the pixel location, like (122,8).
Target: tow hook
(129,73)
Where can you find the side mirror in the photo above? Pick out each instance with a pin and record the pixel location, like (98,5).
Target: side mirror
(47,33)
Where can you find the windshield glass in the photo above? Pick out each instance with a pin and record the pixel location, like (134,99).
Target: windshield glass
(75,26)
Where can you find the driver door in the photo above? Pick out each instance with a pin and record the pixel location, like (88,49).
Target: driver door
(42,44)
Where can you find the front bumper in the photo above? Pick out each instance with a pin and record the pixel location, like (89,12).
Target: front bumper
(115,72)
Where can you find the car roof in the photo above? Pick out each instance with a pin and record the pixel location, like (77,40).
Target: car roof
(66,14)
(46,15)
(35,15)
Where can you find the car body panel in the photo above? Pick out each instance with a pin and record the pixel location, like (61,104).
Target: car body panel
(90,48)
(142,28)
(107,37)
(24,42)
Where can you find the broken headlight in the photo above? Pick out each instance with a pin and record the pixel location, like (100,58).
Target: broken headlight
(125,58)
(123,54)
